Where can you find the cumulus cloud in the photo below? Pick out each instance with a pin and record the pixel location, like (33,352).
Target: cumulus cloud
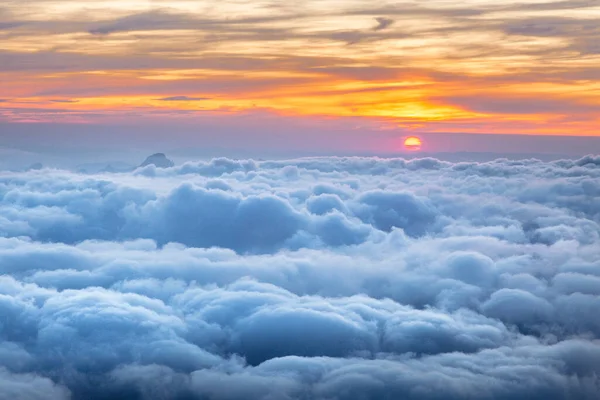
(322,278)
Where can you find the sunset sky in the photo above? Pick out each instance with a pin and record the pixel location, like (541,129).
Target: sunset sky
(299,199)
(474,66)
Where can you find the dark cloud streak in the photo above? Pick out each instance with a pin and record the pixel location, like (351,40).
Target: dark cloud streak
(183,98)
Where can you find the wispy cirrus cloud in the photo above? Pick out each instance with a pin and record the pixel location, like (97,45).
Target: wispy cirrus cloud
(551,47)
(183,98)
(66,101)
(383,23)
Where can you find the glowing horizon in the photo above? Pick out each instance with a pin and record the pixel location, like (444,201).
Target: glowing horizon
(520,68)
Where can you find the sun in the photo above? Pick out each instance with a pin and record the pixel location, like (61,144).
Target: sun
(412,143)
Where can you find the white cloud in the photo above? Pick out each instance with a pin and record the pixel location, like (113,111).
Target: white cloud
(315,278)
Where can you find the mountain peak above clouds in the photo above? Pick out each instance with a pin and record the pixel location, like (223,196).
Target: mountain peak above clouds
(159,160)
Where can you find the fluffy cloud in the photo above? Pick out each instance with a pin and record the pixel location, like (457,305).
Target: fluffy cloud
(326,278)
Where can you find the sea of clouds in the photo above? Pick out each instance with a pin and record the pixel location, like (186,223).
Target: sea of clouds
(321,278)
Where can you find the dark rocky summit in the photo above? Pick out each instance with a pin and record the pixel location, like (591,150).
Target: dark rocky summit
(159,160)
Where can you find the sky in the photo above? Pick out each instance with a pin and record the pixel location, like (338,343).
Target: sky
(329,278)
(289,246)
(208,72)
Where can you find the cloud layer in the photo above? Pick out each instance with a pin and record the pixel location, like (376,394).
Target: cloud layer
(394,63)
(323,278)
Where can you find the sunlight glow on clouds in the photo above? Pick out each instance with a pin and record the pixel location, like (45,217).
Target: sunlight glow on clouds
(316,278)
(402,62)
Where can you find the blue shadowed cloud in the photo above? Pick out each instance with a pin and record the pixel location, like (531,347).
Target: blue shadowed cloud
(318,278)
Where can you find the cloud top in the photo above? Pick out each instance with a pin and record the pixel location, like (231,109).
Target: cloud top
(321,278)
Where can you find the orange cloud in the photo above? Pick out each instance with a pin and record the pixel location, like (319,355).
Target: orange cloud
(523,68)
